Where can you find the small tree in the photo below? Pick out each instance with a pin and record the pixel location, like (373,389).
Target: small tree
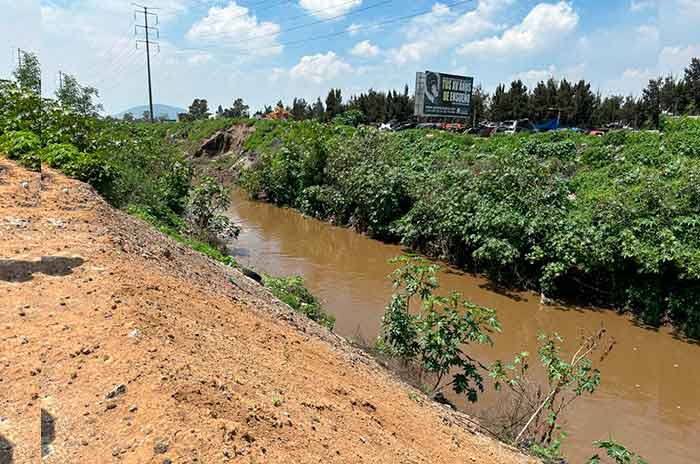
(540,407)
(349,118)
(434,338)
(206,203)
(28,73)
(129,117)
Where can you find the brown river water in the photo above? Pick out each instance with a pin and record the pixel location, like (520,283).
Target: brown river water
(649,397)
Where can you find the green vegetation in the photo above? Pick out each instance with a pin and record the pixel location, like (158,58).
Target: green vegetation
(435,338)
(536,409)
(291,291)
(617,453)
(207,202)
(139,167)
(611,219)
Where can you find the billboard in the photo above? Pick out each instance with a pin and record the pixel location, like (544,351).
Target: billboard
(443,95)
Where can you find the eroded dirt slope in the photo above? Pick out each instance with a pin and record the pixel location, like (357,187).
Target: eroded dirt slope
(120,345)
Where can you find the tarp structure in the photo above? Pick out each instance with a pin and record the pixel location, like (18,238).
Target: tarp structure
(552,124)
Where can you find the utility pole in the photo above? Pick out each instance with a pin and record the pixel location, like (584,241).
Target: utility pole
(19,58)
(147,29)
(60,81)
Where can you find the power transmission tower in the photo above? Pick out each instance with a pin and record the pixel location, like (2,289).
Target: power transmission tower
(19,58)
(60,81)
(147,30)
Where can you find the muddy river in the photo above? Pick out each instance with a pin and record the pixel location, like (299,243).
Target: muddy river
(649,398)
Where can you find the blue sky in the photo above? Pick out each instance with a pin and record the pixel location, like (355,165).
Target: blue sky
(267,50)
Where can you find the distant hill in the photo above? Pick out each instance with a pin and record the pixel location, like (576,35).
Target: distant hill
(158,110)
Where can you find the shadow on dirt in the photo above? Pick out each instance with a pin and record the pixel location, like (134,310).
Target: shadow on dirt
(48,432)
(15,270)
(5,450)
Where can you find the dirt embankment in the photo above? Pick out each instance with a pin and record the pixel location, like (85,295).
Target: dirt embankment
(222,156)
(120,345)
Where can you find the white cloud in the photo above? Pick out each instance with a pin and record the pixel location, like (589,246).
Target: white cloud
(365,49)
(326,9)
(543,28)
(319,68)
(443,28)
(354,29)
(233,26)
(637,6)
(691,7)
(632,81)
(673,60)
(649,33)
(277,74)
(199,59)
(532,76)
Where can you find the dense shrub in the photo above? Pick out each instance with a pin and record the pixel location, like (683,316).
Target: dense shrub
(291,290)
(612,219)
(22,146)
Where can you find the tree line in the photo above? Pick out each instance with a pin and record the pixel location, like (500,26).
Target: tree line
(574,103)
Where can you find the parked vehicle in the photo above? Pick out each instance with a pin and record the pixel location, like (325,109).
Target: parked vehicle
(482,130)
(428,125)
(516,127)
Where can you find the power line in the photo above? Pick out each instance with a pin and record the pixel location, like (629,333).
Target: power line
(120,82)
(120,67)
(250,52)
(314,23)
(275,5)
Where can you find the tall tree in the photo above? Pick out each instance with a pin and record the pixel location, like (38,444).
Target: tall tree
(584,104)
(318,110)
(565,102)
(334,104)
(631,112)
(500,104)
(238,110)
(609,110)
(479,105)
(692,83)
(199,109)
(300,109)
(28,73)
(519,101)
(651,103)
(77,97)
(540,101)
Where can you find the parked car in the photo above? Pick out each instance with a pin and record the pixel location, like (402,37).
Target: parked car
(405,126)
(482,130)
(516,127)
(429,125)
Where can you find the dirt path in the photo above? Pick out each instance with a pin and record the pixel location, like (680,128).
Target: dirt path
(120,345)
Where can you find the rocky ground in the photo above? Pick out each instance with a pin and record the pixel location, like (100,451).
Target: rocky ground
(119,345)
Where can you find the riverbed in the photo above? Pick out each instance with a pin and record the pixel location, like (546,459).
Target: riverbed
(649,397)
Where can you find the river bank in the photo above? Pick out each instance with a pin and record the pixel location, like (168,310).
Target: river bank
(606,220)
(647,398)
(131,347)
